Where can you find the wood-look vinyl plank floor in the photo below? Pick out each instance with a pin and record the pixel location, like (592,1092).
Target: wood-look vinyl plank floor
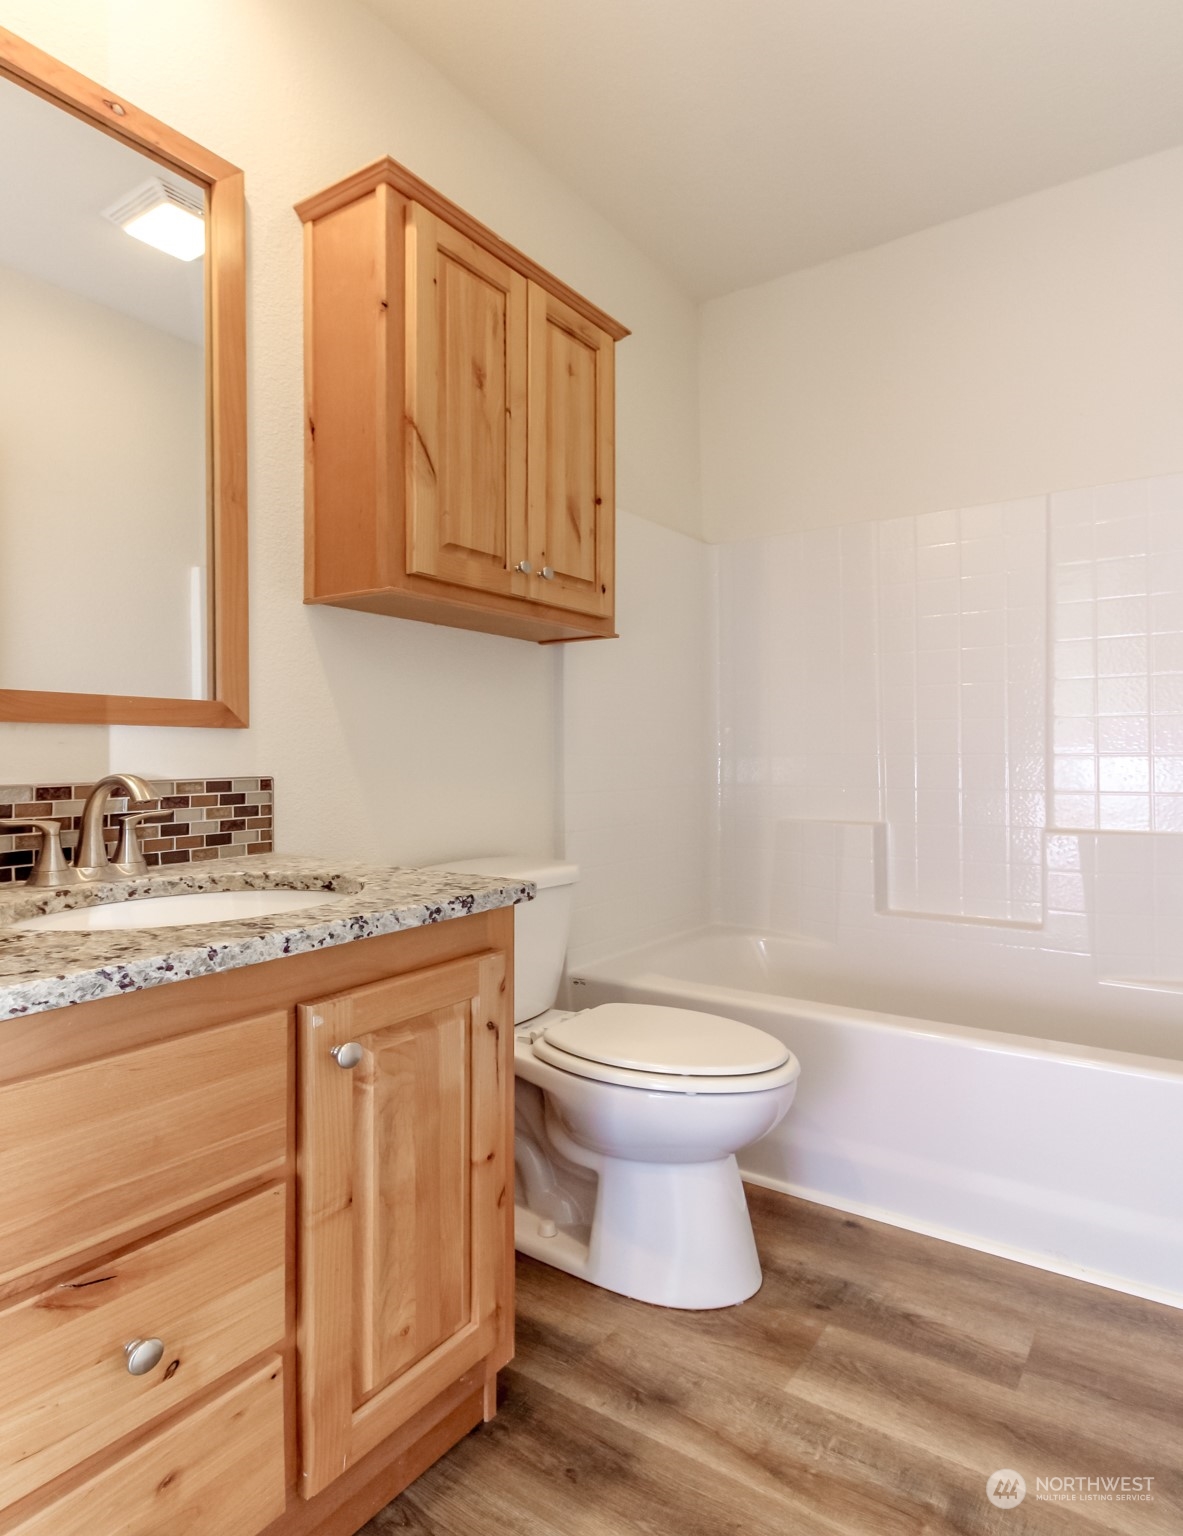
(869,1389)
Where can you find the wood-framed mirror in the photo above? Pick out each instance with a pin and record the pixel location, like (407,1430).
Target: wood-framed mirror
(123,515)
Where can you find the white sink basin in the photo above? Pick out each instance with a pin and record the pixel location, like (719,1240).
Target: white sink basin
(174,911)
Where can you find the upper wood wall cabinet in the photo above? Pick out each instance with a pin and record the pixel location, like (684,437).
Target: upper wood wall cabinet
(459,424)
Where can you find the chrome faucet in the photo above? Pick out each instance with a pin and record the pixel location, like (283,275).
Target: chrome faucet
(91,860)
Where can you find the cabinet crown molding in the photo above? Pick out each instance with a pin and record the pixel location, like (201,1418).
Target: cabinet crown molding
(389,172)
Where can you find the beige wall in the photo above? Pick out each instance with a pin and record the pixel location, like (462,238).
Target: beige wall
(454,736)
(1037,346)
(638,749)
(102,492)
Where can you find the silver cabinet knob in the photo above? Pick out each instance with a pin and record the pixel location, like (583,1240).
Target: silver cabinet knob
(547,573)
(347,1055)
(143,1355)
(525,567)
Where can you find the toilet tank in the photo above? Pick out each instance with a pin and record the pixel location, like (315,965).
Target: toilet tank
(540,927)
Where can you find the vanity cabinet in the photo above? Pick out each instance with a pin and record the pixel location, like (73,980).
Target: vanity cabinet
(407,1159)
(248,1285)
(460,420)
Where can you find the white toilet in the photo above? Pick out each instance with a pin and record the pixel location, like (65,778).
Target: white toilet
(628,1119)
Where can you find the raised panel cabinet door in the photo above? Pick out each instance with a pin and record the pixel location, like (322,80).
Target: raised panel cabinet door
(466,370)
(405,1168)
(572,458)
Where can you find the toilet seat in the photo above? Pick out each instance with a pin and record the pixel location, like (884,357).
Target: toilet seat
(670,1050)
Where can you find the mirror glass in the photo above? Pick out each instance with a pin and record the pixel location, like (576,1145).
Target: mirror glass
(104,483)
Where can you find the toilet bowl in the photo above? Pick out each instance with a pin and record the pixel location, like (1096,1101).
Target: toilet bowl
(627,1121)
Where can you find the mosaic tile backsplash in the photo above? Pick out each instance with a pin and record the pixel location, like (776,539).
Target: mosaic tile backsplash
(208,819)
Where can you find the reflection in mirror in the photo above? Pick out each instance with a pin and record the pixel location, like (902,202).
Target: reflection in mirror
(104,499)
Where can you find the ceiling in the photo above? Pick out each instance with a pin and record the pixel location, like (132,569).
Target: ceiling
(57,174)
(735,140)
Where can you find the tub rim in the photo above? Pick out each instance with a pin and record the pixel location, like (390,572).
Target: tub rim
(782,1005)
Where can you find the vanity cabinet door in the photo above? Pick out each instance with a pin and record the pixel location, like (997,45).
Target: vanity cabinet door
(405,1170)
(572,454)
(466,410)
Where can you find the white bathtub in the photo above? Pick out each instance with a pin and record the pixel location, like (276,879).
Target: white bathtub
(1066,1156)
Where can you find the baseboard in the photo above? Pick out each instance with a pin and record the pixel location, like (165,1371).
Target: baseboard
(967,1240)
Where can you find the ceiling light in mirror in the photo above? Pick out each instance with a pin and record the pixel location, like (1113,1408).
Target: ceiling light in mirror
(163,215)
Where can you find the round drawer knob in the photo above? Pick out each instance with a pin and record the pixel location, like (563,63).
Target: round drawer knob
(525,567)
(143,1355)
(347,1055)
(547,573)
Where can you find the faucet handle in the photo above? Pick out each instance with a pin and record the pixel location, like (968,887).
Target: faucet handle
(129,856)
(50,868)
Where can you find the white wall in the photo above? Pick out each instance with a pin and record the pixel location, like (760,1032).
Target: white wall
(388,739)
(102,494)
(1036,346)
(638,770)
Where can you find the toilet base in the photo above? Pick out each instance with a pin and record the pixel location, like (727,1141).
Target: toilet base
(671,1234)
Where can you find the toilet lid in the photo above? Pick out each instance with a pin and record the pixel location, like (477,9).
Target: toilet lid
(643,1037)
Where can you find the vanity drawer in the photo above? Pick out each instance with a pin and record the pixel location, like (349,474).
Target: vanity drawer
(218,1471)
(102,1152)
(212,1292)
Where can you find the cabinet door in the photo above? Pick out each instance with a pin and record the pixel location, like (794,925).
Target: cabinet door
(466,410)
(572,449)
(406,1201)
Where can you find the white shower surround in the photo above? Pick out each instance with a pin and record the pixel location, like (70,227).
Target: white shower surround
(1013,720)
(951,774)
(949,759)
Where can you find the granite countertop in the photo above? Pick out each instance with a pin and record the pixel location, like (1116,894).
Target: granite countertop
(47,969)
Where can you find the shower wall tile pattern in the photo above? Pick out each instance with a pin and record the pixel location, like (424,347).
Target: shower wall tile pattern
(962,701)
(973,717)
(1116,606)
